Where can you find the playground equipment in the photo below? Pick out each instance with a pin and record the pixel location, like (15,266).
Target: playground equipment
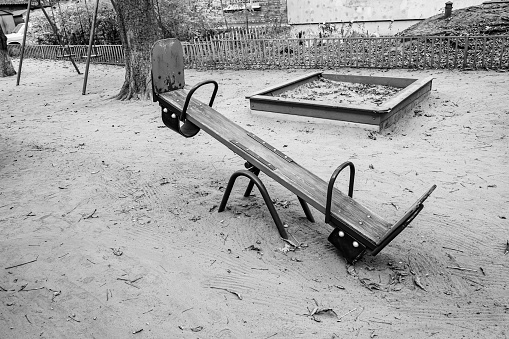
(356,228)
(64,51)
(91,46)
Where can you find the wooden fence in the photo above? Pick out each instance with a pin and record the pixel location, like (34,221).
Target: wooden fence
(479,52)
(104,54)
(475,52)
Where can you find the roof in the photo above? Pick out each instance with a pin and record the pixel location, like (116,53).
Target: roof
(18,12)
(13,2)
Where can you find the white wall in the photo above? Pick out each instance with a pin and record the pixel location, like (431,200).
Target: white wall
(372,28)
(319,11)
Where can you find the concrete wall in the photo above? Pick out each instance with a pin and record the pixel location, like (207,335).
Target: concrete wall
(319,11)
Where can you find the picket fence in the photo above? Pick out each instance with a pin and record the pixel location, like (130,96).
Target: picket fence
(430,52)
(104,54)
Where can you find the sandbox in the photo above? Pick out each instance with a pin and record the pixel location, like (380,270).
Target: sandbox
(379,116)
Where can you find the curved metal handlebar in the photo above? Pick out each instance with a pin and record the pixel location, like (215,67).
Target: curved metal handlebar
(191,92)
(331,186)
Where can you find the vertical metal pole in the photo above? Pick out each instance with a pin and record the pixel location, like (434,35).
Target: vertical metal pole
(89,53)
(24,42)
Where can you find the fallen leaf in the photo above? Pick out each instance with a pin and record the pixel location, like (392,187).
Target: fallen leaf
(417,282)
(117,252)
(197,328)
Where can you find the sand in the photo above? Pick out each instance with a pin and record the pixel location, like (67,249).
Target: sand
(115,218)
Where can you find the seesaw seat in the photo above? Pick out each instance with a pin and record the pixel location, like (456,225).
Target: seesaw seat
(356,228)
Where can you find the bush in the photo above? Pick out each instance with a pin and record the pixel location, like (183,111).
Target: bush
(184,20)
(73,21)
(180,19)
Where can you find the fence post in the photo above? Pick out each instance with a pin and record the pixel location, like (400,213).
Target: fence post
(502,53)
(465,55)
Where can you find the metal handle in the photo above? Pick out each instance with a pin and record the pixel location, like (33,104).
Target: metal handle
(331,186)
(191,92)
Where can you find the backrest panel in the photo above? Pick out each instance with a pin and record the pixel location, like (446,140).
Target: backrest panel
(167,66)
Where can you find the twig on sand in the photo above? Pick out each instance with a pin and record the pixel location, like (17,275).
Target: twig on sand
(129,280)
(91,215)
(289,242)
(461,268)
(30,214)
(358,315)
(475,282)
(28,262)
(453,249)
(347,313)
(72,318)
(380,322)
(227,290)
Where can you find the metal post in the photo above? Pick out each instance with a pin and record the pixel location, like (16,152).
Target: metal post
(24,42)
(265,195)
(60,42)
(306,209)
(90,43)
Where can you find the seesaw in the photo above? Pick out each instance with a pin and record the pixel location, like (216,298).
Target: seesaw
(356,228)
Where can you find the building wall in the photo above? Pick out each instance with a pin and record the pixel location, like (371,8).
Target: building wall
(7,23)
(319,11)
(273,12)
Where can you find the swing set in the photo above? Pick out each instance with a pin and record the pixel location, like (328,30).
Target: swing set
(64,50)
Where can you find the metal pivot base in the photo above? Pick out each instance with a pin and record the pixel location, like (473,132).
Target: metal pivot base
(261,187)
(249,188)
(349,247)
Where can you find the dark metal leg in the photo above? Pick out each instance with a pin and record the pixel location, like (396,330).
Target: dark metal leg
(306,209)
(261,187)
(250,186)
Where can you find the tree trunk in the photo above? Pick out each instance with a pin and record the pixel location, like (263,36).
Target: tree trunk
(6,68)
(137,22)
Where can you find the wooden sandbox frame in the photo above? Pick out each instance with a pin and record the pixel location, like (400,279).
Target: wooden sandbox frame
(413,92)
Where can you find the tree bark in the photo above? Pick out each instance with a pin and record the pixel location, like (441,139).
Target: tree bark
(137,21)
(6,68)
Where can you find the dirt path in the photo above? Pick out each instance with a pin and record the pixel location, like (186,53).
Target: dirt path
(120,215)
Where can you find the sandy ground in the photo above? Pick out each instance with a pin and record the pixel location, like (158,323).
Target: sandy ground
(115,217)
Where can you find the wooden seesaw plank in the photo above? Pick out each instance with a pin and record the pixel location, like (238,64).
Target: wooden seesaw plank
(356,228)
(291,175)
